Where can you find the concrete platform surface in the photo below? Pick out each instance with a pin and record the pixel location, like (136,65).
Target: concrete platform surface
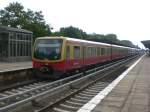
(4,67)
(130,94)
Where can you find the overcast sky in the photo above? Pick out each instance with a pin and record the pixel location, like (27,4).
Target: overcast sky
(128,19)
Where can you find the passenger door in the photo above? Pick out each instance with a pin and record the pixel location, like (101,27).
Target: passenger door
(76,56)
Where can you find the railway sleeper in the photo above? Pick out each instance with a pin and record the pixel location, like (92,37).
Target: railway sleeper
(82,97)
(59,110)
(67,107)
(73,104)
(87,95)
(95,91)
(91,93)
(78,100)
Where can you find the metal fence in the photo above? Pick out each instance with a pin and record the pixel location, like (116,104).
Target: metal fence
(15,44)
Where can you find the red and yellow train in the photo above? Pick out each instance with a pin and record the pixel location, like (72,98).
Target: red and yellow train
(54,56)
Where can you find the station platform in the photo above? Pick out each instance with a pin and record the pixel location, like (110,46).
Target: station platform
(130,92)
(6,67)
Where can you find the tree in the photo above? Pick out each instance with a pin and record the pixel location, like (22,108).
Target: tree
(35,22)
(127,43)
(73,32)
(111,37)
(14,15)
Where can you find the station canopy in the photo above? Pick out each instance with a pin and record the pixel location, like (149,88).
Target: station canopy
(146,43)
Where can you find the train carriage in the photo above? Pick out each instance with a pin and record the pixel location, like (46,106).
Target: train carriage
(54,56)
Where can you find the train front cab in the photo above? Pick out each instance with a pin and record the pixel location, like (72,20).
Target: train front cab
(48,57)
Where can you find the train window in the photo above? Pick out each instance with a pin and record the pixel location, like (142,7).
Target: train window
(94,51)
(102,51)
(68,52)
(117,50)
(82,52)
(89,51)
(114,50)
(76,52)
(105,51)
(48,49)
(98,51)
(108,51)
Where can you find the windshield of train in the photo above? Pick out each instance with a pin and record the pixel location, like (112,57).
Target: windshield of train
(48,49)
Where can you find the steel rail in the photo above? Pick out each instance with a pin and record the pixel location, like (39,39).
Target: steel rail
(66,98)
(12,101)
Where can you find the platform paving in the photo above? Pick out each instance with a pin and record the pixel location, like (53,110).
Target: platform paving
(4,67)
(131,94)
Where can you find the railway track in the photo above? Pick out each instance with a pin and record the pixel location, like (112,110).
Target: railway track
(17,84)
(20,95)
(80,96)
(77,101)
(17,97)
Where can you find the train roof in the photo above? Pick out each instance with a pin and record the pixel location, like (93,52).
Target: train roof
(77,40)
(85,41)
